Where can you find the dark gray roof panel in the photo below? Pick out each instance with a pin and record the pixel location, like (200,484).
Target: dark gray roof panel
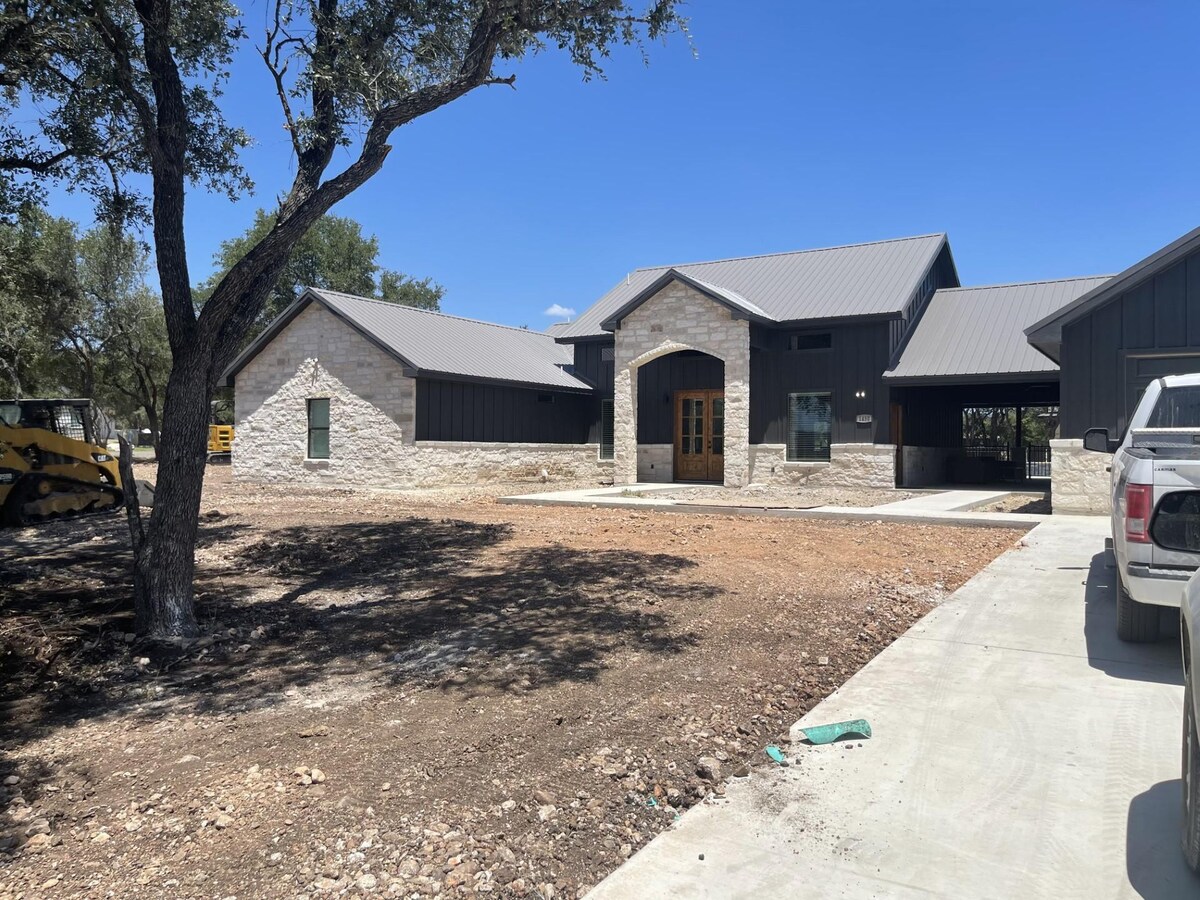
(438,343)
(856,280)
(979,331)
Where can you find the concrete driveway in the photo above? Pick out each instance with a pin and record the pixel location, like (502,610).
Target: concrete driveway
(1019,751)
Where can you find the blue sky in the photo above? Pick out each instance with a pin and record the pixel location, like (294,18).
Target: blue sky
(1049,139)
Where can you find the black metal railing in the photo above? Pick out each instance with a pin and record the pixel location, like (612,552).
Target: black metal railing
(1008,462)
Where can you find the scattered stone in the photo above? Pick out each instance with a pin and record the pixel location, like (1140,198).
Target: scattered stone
(223,821)
(709,768)
(38,826)
(10,780)
(544,798)
(318,777)
(367,882)
(101,837)
(547,812)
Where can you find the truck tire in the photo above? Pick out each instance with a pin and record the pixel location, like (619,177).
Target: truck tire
(1191,780)
(1137,623)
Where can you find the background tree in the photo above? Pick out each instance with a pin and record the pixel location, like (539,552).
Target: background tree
(37,281)
(334,254)
(121,87)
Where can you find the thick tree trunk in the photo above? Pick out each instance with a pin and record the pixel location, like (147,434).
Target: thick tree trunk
(165,564)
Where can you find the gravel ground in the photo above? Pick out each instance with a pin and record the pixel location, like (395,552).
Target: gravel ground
(417,695)
(1020,503)
(787,497)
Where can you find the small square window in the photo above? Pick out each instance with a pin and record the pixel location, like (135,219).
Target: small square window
(318,428)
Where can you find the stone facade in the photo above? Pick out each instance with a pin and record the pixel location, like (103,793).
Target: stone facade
(656,462)
(681,318)
(850,465)
(372,421)
(1079,479)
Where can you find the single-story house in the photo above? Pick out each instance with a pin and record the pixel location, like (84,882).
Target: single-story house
(866,364)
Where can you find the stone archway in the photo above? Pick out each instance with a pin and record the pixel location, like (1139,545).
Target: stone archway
(681,318)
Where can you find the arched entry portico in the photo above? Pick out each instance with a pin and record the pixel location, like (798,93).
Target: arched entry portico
(680,319)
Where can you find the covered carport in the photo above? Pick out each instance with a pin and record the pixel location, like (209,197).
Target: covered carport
(972,402)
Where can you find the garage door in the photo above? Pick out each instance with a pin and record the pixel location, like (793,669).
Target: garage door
(1141,370)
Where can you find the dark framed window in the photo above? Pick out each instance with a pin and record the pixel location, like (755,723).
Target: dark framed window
(810,419)
(812,340)
(318,428)
(606,429)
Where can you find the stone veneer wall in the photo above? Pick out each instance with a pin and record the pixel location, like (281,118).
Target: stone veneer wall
(372,410)
(656,462)
(1079,479)
(681,318)
(850,465)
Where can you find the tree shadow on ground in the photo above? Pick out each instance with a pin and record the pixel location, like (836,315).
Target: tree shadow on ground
(412,602)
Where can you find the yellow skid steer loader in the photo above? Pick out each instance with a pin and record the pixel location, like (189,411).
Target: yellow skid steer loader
(51,464)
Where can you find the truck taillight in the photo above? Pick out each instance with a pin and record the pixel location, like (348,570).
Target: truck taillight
(1137,512)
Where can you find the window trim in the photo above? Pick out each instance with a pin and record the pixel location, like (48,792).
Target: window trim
(791,457)
(308,404)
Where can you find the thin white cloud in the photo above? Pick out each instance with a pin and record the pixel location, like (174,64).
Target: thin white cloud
(558,311)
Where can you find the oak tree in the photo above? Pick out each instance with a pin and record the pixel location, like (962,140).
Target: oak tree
(101,92)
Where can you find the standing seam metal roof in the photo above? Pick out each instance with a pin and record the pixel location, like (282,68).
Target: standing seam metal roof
(979,330)
(855,280)
(437,343)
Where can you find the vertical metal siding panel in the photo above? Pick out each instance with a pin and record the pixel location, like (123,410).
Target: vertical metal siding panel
(1105,384)
(478,396)
(421,429)
(1137,316)
(1192,299)
(1075,379)
(1170,307)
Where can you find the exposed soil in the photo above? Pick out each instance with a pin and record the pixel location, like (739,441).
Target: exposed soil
(777,496)
(410,695)
(1020,503)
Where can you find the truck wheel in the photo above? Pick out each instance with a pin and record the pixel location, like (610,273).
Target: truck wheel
(1191,780)
(1137,623)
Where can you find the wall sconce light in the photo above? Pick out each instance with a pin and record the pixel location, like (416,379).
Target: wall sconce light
(861,395)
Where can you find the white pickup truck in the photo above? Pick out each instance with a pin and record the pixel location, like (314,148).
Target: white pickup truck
(1155,502)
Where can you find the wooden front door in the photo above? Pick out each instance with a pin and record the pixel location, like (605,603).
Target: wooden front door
(700,436)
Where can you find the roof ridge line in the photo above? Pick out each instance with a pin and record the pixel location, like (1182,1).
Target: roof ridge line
(984,287)
(709,262)
(432,312)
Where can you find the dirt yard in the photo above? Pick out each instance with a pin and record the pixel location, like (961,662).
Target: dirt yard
(418,696)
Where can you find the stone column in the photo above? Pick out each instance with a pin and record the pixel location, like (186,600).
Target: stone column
(737,412)
(624,419)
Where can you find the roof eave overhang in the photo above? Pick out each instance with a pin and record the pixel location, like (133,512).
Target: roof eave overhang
(1034,377)
(413,372)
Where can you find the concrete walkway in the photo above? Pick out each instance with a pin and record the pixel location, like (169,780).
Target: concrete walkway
(950,507)
(1019,751)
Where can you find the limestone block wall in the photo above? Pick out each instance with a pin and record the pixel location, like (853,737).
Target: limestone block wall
(372,420)
(850,465)
(656,462)
(681,318)
(1079,479)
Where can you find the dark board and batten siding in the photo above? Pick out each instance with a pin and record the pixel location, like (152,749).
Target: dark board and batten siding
(488,413)
(855,362)
(1111,353)
(594,363)
(658,381)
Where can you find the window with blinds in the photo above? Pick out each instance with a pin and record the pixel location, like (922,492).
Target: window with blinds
(318,428)
(810,417)
(606,429)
